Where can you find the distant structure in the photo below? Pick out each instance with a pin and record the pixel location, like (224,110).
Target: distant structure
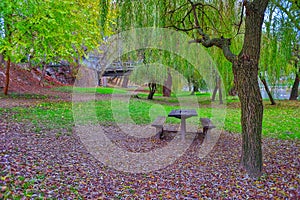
(115,73)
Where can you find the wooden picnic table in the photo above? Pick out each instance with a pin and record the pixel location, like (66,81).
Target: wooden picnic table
(183,114)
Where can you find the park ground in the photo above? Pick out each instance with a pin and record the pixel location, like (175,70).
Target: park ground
(42,157)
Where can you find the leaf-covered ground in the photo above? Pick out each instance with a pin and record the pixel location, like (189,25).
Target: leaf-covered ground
(58,166)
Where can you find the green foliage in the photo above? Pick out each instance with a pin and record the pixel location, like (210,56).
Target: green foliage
(51,30)
(278,42)
(100,90)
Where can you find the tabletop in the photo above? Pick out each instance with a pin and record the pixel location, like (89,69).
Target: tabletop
(183,113)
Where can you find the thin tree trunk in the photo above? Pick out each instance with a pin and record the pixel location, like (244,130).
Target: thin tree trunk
(125,81)
(41,82)
(220,91)
(7,76)
(167,85)
(213,98)
(152,88)
(99,78)
(195,87)
(217,89)
(1,59)
(263,80)
(294,93)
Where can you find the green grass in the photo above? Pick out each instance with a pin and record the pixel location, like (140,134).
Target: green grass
(46,115)
(280,121)
(100,90)
(15,95)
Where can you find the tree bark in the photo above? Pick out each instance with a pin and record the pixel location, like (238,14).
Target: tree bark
(245,69)
(263,80)
(167,85)
(152,90)
(294,93)
(251,117)
(8,63)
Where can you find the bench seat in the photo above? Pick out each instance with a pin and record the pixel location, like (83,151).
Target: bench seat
(159,125)
(206,124)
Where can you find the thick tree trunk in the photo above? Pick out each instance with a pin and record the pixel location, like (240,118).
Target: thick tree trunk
(294,93)
(263,80)
(167,85)
(5,91)
(152,89)
(245,69)
(251,118)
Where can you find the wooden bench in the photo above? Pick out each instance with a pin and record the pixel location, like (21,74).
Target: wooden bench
(159,125)
(206,124)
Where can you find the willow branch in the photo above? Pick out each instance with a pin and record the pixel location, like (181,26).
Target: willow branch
(290,16)
(222,43)
(241,20)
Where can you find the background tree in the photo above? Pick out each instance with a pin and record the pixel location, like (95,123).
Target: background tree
(296,60)
(51,30)
(197,18)
(279,40)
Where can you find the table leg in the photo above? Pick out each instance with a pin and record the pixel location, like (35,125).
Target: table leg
(183,128)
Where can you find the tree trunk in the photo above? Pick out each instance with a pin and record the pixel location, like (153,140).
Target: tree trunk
(195,86)
(167,85)
(41,82)
(245,69)
(220,91)
(152,89)
(1,59)
(7,76)
(213,98)
(263,80)
(251,118)
(99,78)
(294,93)
(216,89)
(125,81)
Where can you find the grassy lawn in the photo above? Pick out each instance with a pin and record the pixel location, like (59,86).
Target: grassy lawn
(100,90)
(280,121)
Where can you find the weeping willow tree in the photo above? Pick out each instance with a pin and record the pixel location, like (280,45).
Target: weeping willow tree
(278,42)
(215,24)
